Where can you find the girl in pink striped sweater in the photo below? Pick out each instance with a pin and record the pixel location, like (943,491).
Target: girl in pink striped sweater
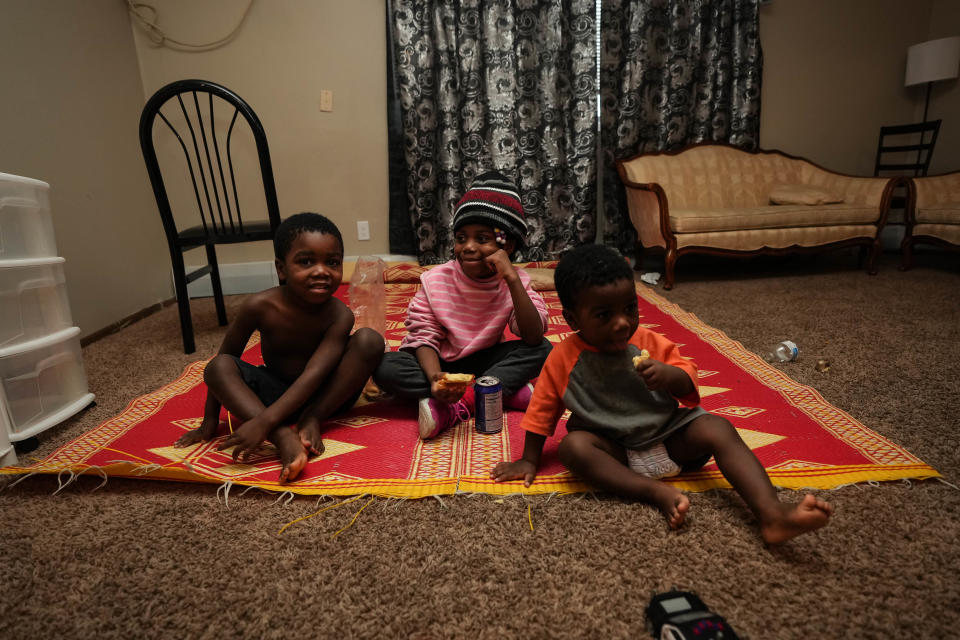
(456,321)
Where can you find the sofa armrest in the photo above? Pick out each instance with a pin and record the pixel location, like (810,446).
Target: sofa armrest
(647,208)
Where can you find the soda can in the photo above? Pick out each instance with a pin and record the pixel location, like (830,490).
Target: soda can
(489,399)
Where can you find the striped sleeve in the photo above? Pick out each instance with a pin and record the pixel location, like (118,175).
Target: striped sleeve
(535,298)
(423,328)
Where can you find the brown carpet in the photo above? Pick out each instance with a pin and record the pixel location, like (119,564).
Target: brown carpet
(151,559)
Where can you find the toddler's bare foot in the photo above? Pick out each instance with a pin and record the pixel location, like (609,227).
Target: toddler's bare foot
(292,454)
(792,520)
(310,438)
(673,504)
(204,433)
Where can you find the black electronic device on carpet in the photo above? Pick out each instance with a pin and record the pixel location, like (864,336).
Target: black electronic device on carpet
(682,615)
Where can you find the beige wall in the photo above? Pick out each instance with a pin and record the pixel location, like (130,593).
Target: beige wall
(945,95)
(833,75)
(68,116)
(286,51)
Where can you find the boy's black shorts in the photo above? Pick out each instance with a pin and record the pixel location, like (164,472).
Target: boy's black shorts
(268,386)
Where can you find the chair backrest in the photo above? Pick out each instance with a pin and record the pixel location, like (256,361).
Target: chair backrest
(195,111)
(904,149)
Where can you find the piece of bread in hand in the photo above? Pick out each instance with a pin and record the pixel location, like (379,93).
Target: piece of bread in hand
(644,354)
(455,380)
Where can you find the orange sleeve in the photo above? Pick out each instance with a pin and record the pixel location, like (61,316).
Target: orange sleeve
(546,405)
(666,351)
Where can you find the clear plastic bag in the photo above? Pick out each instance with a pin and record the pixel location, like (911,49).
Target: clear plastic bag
(366,294)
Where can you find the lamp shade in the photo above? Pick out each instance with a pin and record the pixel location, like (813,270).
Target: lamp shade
(932,60)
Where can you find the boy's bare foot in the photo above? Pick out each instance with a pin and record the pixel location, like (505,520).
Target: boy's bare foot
(292,454)
(310,438)
(204,433)
(672,502)
(810,514)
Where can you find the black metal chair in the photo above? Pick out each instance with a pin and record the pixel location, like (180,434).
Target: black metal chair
(196,113)
(899,141)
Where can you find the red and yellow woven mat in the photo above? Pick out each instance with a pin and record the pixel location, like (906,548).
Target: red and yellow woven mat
(373,449)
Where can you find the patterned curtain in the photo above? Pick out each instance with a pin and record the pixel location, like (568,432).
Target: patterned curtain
(672,73)
(506,85)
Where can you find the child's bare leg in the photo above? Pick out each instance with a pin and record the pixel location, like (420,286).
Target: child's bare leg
(360,358)
(208,428)
(293,456)
(809,514)
(778,521)
(603,464)
(226,385)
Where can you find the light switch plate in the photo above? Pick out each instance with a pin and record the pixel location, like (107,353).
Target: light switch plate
(363,230)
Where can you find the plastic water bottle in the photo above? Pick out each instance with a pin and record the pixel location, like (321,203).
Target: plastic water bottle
(786,351)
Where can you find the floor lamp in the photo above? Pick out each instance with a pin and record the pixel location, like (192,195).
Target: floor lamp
(931,61)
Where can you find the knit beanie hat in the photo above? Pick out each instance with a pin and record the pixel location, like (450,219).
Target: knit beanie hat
(494,201)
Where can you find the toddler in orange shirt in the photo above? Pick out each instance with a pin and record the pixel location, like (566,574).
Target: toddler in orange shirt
(632,424)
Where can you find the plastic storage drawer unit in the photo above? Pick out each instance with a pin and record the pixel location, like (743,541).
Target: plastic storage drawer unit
(33,300)
(8,456)
(43,381)
(26,226)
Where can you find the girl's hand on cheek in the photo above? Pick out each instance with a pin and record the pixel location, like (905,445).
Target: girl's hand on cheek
(500,264)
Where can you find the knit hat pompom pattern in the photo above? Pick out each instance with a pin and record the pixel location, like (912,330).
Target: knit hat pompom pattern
(492,200)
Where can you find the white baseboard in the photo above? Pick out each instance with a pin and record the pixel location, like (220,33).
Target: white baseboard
(387,257)
(250,277)
(235,278)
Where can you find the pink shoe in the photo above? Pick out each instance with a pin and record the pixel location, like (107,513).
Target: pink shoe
(521,399)
(436,417)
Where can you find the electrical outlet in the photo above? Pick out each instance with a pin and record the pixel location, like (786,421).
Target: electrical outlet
(326,100)
(363,230)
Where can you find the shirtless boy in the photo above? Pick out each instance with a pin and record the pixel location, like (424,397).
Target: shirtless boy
(627,428)
(313,368)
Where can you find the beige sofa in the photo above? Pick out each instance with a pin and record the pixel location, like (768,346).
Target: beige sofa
(933,214)
(717,199)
